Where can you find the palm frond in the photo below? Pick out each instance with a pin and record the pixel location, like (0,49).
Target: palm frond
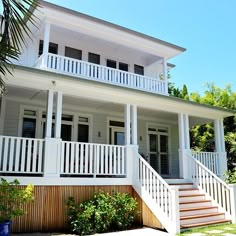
(14,30)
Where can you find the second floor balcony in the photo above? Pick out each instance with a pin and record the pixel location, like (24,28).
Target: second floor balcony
(100,73)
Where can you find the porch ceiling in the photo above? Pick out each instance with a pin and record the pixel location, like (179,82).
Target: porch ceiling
(95,44)
(32,97)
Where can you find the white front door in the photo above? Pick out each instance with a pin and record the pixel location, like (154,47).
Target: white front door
(158,152)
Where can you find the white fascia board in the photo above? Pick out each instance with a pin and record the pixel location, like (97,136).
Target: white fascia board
(42,80)
(107,32)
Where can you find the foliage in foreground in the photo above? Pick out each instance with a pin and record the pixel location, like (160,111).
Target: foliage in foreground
(12,198)
(103,213)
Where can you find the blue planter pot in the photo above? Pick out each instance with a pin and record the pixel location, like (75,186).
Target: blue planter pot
(5,228)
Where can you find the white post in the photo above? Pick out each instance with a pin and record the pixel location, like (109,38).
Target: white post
(222,135)
(134,124)
(220,146)
(58,115)
(46,44)
(52,158)
(233,202)
(186,131)
(49,114)
(127,124)
(165,74)
(175,209)
(217,136)
(181,143)
(2,114)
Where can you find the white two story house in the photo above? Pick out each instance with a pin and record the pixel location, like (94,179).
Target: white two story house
(88,108)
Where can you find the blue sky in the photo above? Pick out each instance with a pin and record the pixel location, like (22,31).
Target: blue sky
(206,28)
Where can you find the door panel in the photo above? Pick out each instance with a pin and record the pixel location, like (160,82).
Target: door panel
(158,152)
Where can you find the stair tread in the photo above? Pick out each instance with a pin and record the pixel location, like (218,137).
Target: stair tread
(192,202)
(188,189)
(181,183)
(201,215)
(182,226)
(193,195)
(198,208)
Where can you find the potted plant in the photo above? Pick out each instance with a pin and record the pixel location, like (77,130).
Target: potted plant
(12,198)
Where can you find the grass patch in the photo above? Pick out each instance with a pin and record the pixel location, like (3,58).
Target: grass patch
(216,230)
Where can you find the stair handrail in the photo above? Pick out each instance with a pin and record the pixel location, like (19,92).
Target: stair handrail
(153,189)
(211,185)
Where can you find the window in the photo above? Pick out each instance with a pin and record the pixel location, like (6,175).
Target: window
(73,53)
(29,127)
(123,66)
(111,63)
(138,69)
(94,58)
(53,47)
(83,129)
(29,124)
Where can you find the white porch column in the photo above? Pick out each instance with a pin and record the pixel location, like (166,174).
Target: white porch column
(49,114)
(2,114)
(46,40)
(181,143)
(165,74)
(58,115)
(217,136)
(220,146)
(134,124)
(184,144)
(127,124)
(52,149)
(186,131)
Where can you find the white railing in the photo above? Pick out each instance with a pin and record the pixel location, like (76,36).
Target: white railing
(162,199)
(211,185)
(101,73)
(93,159)
(21,155)
(208,159)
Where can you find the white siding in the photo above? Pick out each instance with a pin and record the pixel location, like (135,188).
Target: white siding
(11,118)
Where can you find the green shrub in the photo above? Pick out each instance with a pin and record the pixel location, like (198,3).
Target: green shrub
(12,198)
(103,213)
(230,176)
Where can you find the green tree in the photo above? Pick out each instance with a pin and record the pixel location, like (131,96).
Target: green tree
(15,19)
(203,136)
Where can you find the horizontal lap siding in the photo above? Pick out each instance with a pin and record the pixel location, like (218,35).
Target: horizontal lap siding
(11,119)
(48,213)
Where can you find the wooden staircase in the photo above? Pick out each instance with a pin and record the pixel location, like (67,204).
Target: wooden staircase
(195,209)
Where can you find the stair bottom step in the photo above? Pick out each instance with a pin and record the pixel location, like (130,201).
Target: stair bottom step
(186,226)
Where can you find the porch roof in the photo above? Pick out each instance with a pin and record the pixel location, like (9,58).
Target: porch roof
(45,80)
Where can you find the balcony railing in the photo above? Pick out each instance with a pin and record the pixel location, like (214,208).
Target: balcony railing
(91,71)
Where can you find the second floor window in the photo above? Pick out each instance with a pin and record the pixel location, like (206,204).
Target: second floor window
(53,48)
(73,53)
(94,58)
(123,66)
(138,69)
(111,63)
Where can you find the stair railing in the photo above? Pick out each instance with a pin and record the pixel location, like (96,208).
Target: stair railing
(162,199)
(210,184)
